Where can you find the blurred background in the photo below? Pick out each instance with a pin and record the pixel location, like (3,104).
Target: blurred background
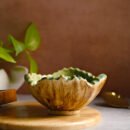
(89,34)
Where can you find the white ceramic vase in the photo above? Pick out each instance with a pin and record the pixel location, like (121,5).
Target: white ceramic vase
(14,80)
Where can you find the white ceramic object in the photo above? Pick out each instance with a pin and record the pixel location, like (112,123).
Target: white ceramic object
(14,80)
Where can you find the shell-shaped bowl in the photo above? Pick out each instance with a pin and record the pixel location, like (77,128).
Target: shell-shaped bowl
(62,96)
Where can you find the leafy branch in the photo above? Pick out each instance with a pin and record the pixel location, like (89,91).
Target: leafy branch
(31,43)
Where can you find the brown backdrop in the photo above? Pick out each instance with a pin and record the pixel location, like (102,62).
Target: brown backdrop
(90,34)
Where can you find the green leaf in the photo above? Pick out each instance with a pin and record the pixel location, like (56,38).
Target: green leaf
(32,38)
(6,56)
(18,46)
(33,64)
(8,50)
(1,43)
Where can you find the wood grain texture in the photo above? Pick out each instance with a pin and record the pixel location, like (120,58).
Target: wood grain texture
(33,116)
(7,96)
(65,95)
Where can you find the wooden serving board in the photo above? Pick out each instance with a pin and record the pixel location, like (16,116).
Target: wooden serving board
(33,116)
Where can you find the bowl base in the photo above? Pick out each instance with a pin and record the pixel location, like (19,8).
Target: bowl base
(63,113)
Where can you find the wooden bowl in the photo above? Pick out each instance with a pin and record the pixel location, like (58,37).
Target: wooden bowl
(7,96)
(66,97)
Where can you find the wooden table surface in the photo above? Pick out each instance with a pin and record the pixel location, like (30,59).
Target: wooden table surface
(112,118)
(31,115)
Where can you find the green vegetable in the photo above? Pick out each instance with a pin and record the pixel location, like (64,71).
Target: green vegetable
(67,74)
(71,72)
(33,78)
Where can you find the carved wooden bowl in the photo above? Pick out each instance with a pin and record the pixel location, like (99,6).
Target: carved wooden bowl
(65,92)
